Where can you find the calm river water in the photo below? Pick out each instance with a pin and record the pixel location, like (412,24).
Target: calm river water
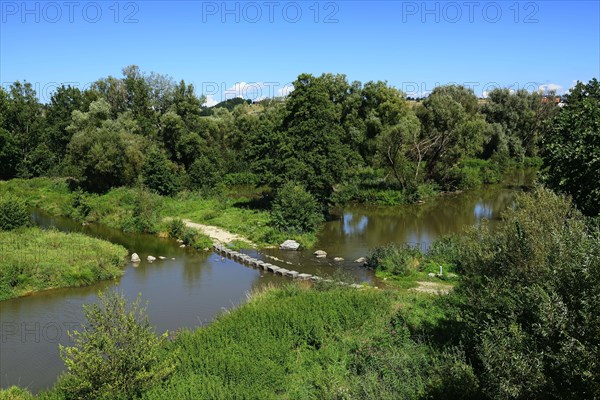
(192,289)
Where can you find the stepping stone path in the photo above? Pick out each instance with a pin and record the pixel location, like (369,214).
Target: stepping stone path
(255,263)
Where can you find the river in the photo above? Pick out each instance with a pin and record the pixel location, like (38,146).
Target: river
(189,289)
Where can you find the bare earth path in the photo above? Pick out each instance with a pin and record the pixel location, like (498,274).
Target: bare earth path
(215,233)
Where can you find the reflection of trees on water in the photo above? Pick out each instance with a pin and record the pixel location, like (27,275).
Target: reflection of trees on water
(416,224)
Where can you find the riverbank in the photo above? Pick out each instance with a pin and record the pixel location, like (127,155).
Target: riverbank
(34,260)
(235,213)
(295,342)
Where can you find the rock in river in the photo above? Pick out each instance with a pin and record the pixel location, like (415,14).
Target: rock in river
(338,259)
(151,258)
(361,260)
(135,258)
(289,245)
(320,254)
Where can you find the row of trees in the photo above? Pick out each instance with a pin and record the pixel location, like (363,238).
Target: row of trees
(148,128)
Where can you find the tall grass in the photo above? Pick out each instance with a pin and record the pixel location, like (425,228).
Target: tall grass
(34,259)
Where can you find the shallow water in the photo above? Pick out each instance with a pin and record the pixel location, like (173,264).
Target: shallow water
(195,287)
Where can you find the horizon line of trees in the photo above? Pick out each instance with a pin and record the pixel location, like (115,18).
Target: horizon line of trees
(148,129)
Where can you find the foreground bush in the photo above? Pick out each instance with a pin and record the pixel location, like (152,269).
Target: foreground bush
(13,213)
(116,355)
(528,302)
(33,259)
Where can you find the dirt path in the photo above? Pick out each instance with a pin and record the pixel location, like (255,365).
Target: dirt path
(215,233)
(432,287)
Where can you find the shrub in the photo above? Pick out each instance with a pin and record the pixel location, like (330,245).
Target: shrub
(145,215)
(528,302)
(116,355)
(176,228)
(204,174)
(13,213)
(158,173)
(396,260)
(295,210)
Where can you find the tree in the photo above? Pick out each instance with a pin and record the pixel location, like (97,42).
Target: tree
(312,151)
(116,354)
(105,152)
(528,301)
(295,210)
(524,117)
(158,173)
(571,150)
(452,128)
(59,112)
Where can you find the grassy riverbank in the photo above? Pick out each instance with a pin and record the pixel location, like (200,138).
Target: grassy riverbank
(132,209)
(34,259)
(300,343)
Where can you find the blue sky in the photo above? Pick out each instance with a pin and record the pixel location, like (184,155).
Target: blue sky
(257,48)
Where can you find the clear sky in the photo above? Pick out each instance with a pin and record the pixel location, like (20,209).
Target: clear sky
(256,48)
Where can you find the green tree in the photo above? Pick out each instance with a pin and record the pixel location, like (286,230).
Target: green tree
(452,128)
(295,210)
(524,116)
(63,102)
(116,355)
(105,152)
(312,150)
(159,174)
(572,148)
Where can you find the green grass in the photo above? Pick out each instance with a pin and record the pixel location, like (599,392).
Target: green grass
(34,259)
(231,210)
(299,343)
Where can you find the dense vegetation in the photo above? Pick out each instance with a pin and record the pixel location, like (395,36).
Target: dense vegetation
(338,140)
(520,324)
(34,259)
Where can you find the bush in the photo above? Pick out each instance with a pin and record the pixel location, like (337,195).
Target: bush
(176,228)
(295,210)
(204,174)
(13,213)
(528,302)
(158,174)
(396,260)
(116,355)
(145,215)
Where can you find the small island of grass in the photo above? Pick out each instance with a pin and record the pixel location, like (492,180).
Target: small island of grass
(34,260)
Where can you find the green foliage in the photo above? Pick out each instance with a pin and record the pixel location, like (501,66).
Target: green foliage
(204,174)
(528,301)
(394,259)
(176,227)
(116,355)
(33,260)
(15,393)
(146,213)
(158,173)
(104,152)
(13,213)
(295,210)
(572,148)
